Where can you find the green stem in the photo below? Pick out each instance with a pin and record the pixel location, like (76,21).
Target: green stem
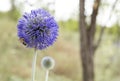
(47,74)
(34,65)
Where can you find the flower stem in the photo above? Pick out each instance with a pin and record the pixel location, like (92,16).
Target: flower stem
(46,77)
(34,65)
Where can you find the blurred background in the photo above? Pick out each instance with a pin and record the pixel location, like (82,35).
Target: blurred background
(16,59)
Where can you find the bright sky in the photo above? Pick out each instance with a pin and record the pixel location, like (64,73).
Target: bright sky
(4,5)
(65,8)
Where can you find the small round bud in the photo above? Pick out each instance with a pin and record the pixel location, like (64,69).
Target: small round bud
(48,63)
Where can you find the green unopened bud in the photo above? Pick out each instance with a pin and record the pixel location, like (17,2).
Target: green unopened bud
(48,63)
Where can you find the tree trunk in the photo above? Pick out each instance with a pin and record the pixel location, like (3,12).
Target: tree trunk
(87,65)
(87,41)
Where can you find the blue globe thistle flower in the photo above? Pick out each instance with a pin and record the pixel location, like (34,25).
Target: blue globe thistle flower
(37,29)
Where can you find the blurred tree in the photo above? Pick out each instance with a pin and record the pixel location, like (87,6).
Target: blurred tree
(87,39)
(14,13)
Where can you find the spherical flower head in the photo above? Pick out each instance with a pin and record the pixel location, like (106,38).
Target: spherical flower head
(48,63)
(37,29)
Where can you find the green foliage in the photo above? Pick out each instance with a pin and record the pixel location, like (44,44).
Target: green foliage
(3,15)
(71,25)
(115,32)
(14,14)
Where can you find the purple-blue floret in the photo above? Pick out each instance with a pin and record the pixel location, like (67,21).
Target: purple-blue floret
(37,29)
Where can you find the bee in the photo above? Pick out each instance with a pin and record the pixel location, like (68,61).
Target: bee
(22,40)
